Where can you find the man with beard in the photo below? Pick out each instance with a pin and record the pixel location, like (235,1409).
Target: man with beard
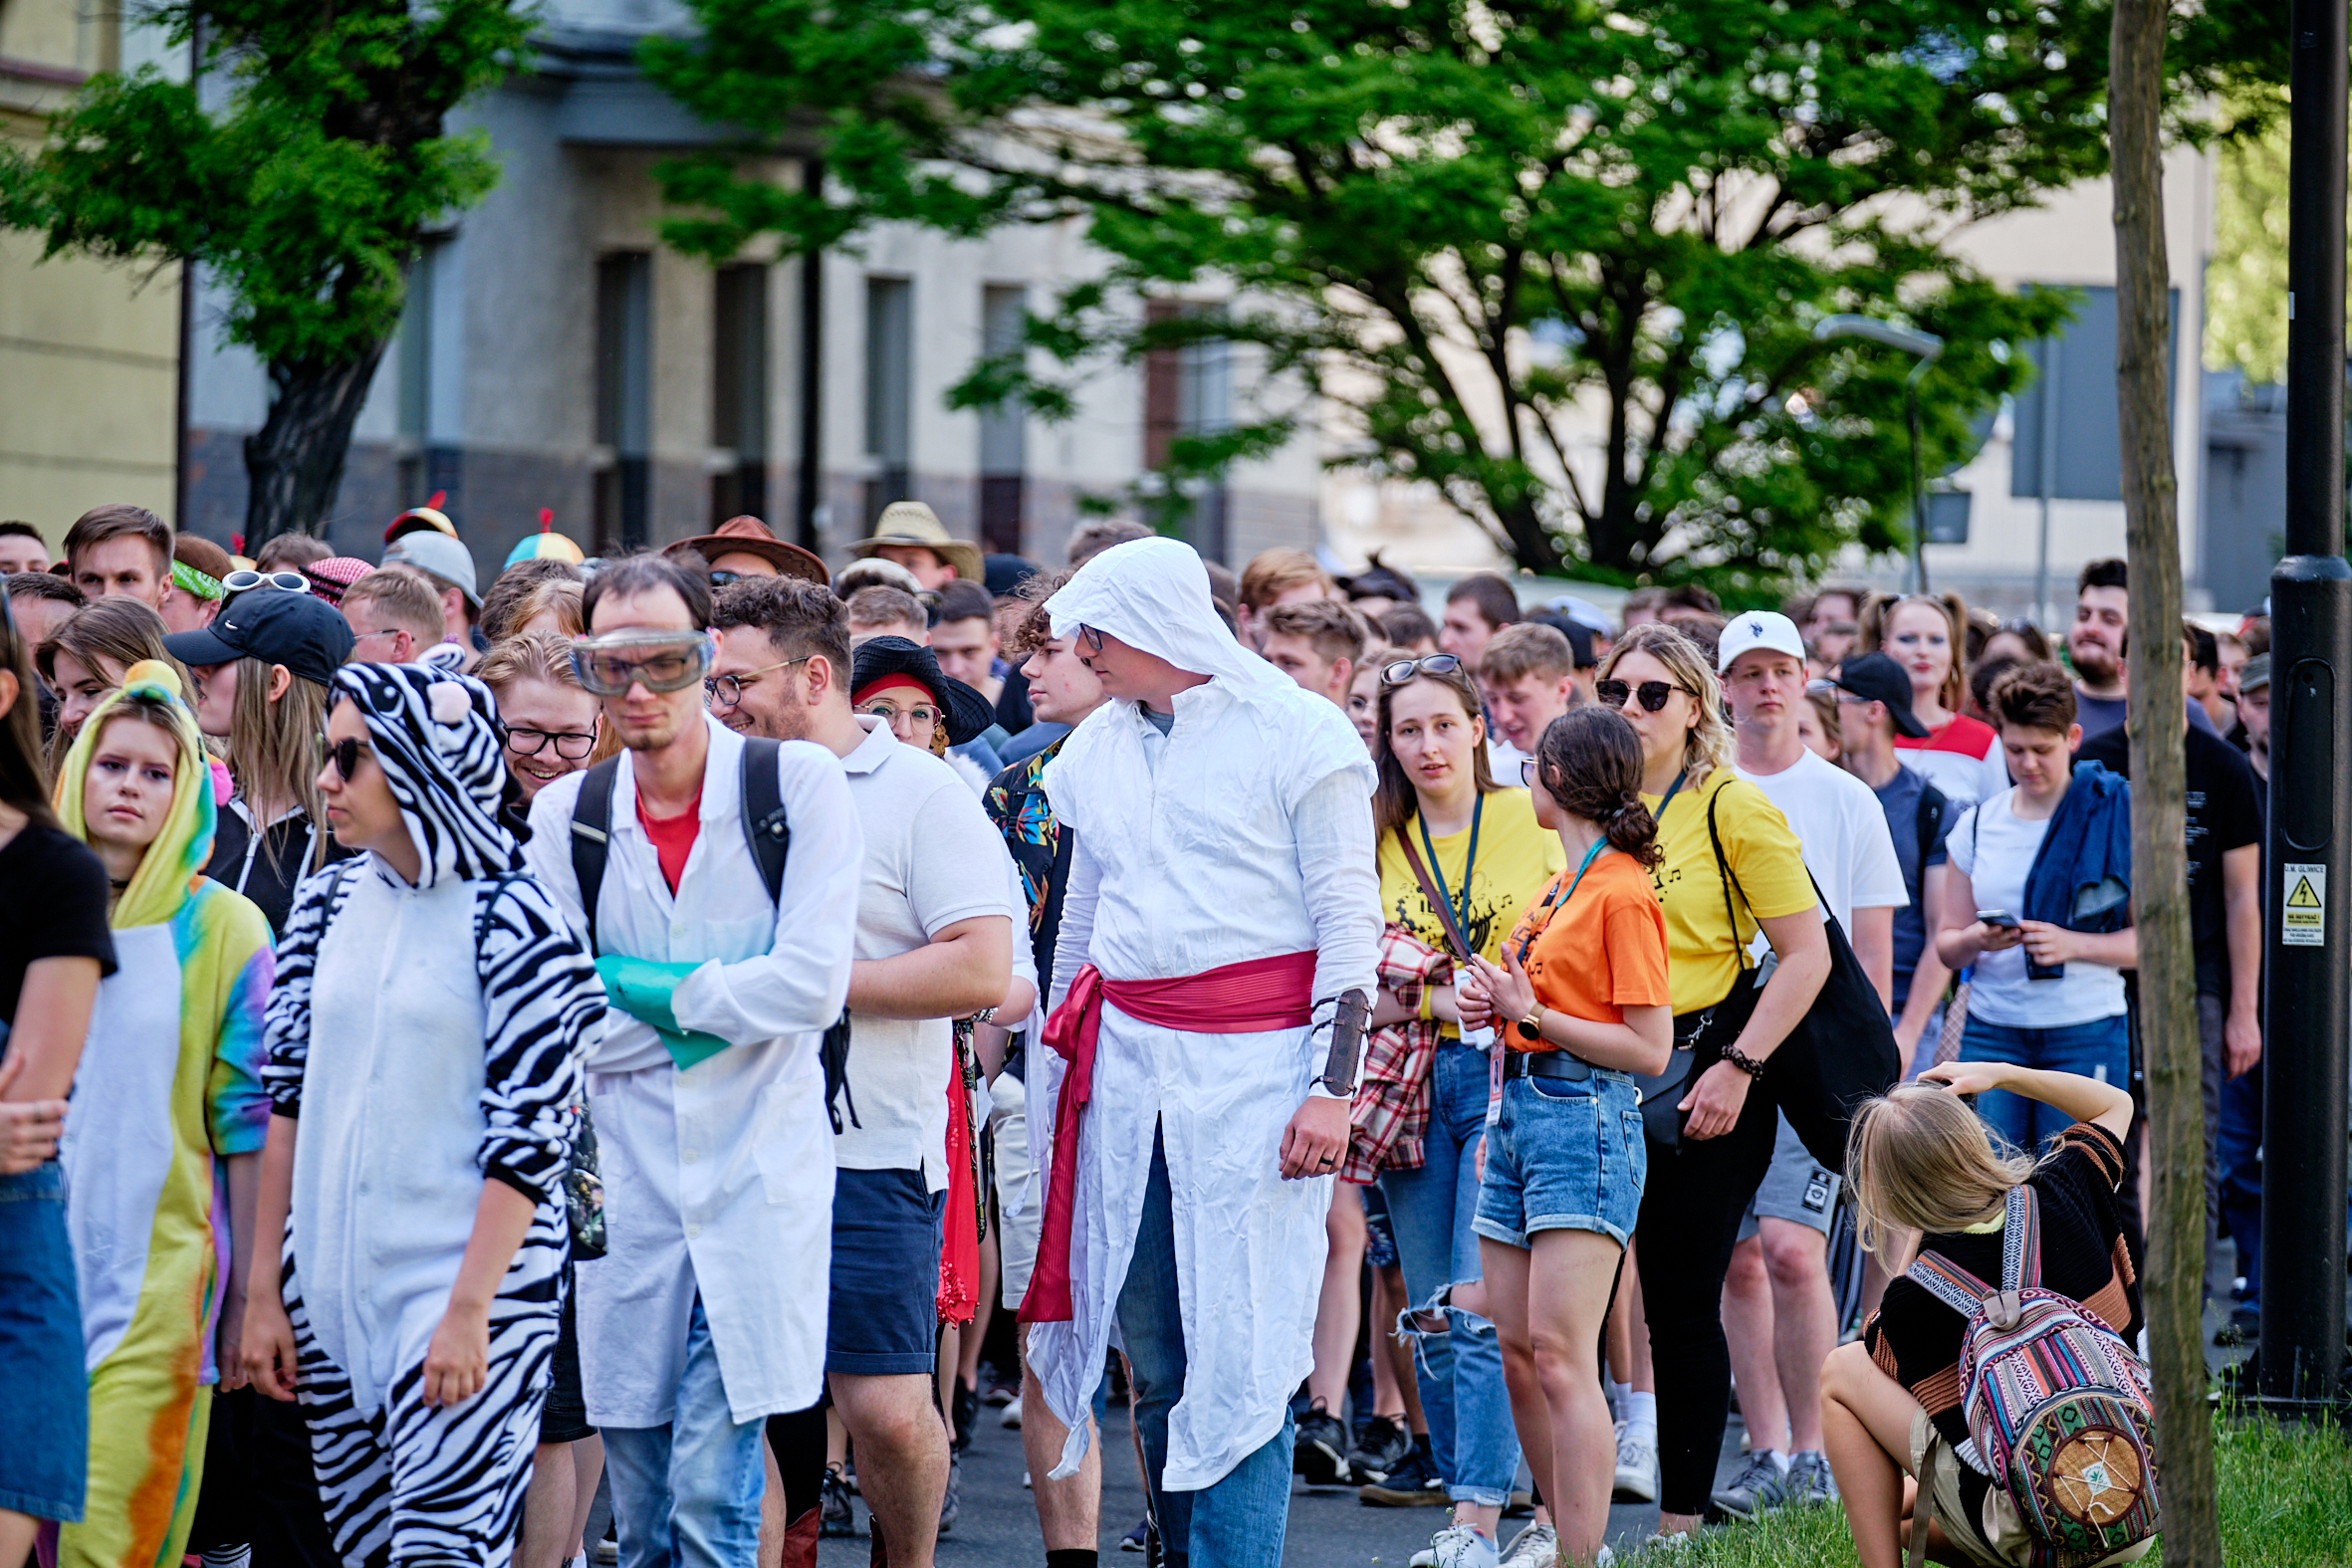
(2096,647)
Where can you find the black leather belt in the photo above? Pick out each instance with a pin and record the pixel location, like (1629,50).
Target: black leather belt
(1547,1064)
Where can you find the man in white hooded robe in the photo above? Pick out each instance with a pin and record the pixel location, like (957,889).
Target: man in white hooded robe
(1223,902)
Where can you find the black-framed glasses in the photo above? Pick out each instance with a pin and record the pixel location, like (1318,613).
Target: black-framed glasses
(570,745)
(344,755)
(1404,670)
(1091,638)
(1651,694)
(726,691)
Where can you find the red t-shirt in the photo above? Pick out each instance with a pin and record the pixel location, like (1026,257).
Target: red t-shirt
(674,837)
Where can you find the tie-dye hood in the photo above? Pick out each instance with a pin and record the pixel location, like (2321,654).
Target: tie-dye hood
(436,735)
(174,860)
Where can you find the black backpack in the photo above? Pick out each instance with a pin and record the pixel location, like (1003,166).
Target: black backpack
(764,830)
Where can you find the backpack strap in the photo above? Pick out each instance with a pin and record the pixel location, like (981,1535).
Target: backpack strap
(2020,1251)
(764,824)
(1948,1283)
(591,837)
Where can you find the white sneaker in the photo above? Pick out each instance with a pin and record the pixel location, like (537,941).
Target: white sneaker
(1668,1548)
(1537,1546)
(1011,1416)
(1460,1546)
(1637,1469)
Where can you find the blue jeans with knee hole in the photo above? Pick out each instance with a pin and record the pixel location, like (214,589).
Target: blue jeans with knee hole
(2098,1049)
(687,1495)
(1238,1522)
(1434,1211)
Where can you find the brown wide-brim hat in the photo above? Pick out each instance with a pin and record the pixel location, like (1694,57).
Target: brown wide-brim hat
(748,535)
(910,524)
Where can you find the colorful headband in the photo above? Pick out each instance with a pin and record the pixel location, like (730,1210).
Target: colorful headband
(189,580)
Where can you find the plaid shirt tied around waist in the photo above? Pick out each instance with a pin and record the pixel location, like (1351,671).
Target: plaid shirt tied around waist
(1390,1116)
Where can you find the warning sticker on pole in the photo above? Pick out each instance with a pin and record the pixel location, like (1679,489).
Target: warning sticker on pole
(2302,922)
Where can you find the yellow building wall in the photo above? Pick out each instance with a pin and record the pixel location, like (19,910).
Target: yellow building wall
(88,352)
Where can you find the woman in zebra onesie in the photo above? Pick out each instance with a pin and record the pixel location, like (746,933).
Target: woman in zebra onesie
(427,1030)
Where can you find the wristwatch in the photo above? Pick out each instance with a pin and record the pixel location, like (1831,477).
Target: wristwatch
(1530,1028)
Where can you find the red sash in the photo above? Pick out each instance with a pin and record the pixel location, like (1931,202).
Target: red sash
(1236,999)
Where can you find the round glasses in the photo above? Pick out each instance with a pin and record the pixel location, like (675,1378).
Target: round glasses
(245,579)
(726,691)
(1404,670)
(1651,694)
(890,712)
(570,745)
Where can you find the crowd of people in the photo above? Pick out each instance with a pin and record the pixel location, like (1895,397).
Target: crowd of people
(643,1052)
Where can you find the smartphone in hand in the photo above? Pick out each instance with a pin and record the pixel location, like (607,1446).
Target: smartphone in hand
(1997,917)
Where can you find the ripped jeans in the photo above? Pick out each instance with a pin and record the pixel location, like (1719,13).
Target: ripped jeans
(1433,1212)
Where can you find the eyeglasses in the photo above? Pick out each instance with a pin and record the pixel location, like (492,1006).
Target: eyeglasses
(1091,638)
(1526,771)
(720,580)
(661,661)
(245,578)
(570,745)
(1404,670)
(725,690)
(1653,694)
(886,710)
(345,755)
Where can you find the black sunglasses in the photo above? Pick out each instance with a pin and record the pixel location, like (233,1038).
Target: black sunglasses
(1653,694)
(1404,670)
(345,755)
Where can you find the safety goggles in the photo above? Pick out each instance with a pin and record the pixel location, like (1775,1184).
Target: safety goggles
(245,579)
(1404,670)
(1652,693)
(661,661)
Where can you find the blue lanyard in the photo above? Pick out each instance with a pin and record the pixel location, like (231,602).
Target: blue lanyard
(1460,906)
(1557,899)
(1584,866)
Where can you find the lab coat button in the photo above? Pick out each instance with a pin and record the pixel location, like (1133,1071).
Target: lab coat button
(693,1232)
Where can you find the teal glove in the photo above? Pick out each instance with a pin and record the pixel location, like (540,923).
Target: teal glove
(642,988)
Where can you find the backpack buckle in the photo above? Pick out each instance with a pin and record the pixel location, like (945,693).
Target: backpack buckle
(2004,1308)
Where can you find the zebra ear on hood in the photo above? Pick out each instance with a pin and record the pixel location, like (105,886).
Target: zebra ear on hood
(449,703)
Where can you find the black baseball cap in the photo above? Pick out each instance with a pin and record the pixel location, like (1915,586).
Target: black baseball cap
(1579,634)
(276,625)
(1874,677)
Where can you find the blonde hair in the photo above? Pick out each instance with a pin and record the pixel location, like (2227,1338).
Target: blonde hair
(274,752)
(1919,1159)
(402,596)
(541,656)
(561,594)
(1709,743)
(1879,613)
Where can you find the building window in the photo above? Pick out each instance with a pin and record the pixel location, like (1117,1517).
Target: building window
(739,391)
(624,399)
(890,391)
(1188,391)
(1004,430)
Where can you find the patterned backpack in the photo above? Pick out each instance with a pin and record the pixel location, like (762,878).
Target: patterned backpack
(2056,1404)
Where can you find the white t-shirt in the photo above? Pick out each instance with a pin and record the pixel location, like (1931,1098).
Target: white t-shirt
(932,858)
(1842,831)
(1995,848)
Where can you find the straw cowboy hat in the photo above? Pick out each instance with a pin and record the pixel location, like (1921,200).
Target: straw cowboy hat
(914,525)
(748,535)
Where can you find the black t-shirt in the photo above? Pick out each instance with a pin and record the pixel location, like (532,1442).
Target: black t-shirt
(2225,813)
(53,904)
(268,870)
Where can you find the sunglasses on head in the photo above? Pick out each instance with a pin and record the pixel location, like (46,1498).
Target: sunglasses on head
(665,661)
(1404,670)
(1652,693)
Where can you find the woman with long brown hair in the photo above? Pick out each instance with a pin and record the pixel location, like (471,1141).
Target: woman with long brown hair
(85,660)
(1925,636)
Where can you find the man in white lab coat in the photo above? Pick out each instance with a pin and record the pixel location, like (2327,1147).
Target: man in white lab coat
(1222,913)
(706,1092)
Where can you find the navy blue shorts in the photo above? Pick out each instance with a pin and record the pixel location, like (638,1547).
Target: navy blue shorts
(884,1318)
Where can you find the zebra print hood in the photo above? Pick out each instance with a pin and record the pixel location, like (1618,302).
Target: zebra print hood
(437,736)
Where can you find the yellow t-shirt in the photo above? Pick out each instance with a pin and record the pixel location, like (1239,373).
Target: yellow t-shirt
(1701,956)
(1516,860)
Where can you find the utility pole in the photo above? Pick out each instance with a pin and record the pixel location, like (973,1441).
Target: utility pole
(2307,948)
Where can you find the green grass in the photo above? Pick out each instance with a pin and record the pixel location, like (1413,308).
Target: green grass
(2287,1503)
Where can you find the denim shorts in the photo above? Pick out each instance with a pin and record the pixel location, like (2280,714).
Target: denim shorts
(45,1442)
(1379,1234)
(884,1316)
(1563,1155)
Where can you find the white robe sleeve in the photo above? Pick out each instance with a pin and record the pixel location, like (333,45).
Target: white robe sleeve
(1334,825)
(1079,900)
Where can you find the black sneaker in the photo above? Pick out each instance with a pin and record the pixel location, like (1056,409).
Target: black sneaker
(965,1401)
(1320,1455)
(950,1505)
(838,1521)
(1413,1484)
(1381,1445)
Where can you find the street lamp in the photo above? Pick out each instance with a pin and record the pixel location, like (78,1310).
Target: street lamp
(1926,348)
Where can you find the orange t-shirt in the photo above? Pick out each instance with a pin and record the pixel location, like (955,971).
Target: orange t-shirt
(1601,952)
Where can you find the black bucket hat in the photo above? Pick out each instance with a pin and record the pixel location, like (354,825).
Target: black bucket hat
(968,713)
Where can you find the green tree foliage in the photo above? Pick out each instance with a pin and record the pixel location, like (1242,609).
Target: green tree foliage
(1556,258)
(300,180)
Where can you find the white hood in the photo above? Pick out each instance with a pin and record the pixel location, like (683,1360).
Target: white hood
(1154,594)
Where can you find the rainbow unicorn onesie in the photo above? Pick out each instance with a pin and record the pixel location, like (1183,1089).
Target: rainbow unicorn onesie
(168,1087)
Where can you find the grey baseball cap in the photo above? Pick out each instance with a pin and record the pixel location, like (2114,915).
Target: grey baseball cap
(2254,674)
(438,555)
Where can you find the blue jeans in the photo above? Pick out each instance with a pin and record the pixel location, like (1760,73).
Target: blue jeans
(45,1439)
(687,1495)
(2098,1049)
(1434,1213)
(1238,1522)
(2242,1175)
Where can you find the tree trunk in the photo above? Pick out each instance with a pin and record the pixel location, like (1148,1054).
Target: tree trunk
(2160,903)
(294,462)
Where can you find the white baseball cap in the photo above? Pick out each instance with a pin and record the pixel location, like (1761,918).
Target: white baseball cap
(1753,629)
